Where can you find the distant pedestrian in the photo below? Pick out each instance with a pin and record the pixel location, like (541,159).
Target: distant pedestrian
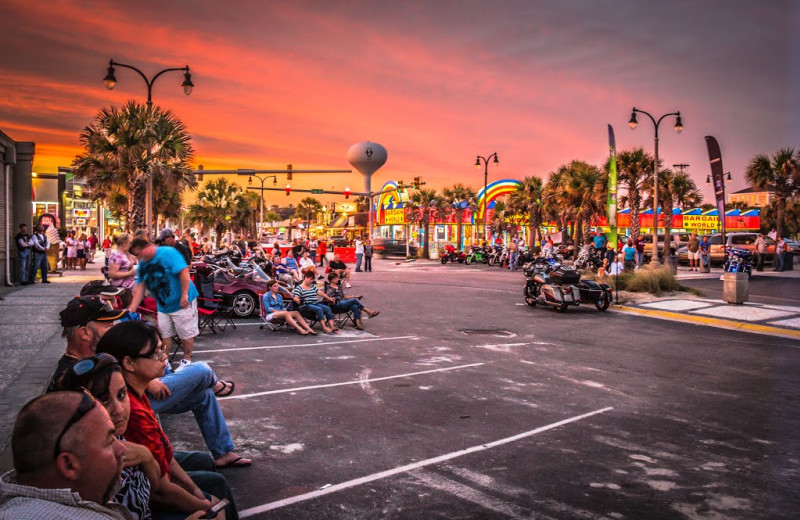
(39,244)
(93,241)
(773,234)
(72,251)
(693,248)
(322,251)
(82,251)
(368,252)
(107,247)
(639,245)
(760,246)
(359,253)
(513,256)
(780,254)
(312,249)
(630,255)
(23,241)
(705,251)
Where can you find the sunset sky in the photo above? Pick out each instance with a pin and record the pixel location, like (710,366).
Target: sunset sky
(435,82)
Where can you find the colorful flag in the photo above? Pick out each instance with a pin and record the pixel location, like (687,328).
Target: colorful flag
(718,177)
(611,206)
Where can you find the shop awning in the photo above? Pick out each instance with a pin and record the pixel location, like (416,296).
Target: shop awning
(339,222)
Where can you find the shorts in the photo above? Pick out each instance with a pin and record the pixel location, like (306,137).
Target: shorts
(81,253)
(269,316)
(694,255)
(181,323)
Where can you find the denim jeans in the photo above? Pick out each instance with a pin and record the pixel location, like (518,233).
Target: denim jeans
(39,261)
(359,257)
(322,311)
(512,263)
(350,304)
(24,265)
(639,259)
(368,263)
(200,468)
(192,390)
(780,261)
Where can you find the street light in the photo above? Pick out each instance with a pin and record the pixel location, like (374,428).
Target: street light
(633,123)
(111,81)
(485,183)
(263,179)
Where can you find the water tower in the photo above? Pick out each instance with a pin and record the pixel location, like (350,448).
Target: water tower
(367,158)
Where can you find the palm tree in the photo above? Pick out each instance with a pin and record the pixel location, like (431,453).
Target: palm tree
(123,147)
(675,189)
(362,204)
(460,198)
(422,206)
(307,209)
(246,215)
(779,174)
(578,188)
(738,204)
(216,203)
(272,217)
(528,200)
(635,170)
(791,216)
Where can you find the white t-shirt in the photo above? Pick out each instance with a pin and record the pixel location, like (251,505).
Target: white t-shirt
(306,262)
(359,247)
(616,268)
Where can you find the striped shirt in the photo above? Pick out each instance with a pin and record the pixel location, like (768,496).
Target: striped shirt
(306,296)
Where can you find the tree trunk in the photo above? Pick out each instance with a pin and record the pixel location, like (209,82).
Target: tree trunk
(426,245)
(635,228)
(780,207)
(458,229)
(668,217)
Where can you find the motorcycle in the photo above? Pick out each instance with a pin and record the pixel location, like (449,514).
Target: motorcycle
(453,255)
(738,261)
(588,259)
(477,254)
(500,256)
(560,287)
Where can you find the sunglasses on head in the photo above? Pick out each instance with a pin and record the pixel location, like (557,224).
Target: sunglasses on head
(90,365)
(84,407)
(107,307)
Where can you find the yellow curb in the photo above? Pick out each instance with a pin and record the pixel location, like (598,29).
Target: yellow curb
(711,322)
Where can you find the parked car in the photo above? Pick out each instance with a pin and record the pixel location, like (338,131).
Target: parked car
(393,247)
(739,240)
(338,241)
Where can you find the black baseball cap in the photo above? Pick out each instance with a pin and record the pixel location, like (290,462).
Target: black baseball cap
(100,287)
(83,309)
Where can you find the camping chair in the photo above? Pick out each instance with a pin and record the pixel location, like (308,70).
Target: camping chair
(342,317)
(212,312)
(148,309)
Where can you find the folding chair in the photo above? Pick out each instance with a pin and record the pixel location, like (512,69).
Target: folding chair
(340,318)
(274,324)
(212,312)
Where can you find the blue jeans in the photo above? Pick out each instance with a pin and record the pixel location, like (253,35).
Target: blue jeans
(192,390)
(350,304)
(24,265)
(359,257)
(200,468)
(780,261)
(639,259)
(322,311)
(39,261)
(512,263)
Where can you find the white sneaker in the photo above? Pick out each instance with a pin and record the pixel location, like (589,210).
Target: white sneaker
(183,364)
(348,286)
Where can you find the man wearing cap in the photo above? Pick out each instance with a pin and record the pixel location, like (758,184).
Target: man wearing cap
(85,320)
(116,296)
(23,241)
(71,475)
(163,271)
(167,238)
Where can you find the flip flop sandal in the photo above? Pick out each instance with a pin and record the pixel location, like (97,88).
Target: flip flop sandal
(374,314)
(238,462)
(226,390)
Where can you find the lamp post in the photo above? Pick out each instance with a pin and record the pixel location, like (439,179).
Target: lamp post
(678,128)
(250,174)
(111,81)
(485,184)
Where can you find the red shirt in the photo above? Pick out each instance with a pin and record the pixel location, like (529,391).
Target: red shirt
(143,428)
(322,248)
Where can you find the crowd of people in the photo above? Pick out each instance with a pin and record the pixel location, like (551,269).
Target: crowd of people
(91,446)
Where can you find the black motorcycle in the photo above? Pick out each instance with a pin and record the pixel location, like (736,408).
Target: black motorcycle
(560,287)
(738,261)
(588,259)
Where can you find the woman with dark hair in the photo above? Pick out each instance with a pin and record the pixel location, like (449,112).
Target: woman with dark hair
(188,482)
(344,304)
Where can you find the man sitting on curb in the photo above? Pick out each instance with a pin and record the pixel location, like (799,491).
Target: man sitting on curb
(67,461)
(87,319)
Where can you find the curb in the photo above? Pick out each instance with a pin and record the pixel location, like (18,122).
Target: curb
(719,323)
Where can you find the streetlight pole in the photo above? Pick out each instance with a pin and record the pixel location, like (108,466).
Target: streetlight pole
(250,174)
(111,81)
(678,128)
(485,184)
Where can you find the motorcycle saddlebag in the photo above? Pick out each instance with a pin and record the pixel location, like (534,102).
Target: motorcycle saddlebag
(564,275)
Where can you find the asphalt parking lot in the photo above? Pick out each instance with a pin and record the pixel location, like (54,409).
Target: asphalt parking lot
(533,414)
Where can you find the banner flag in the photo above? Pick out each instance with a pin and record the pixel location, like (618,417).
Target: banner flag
(611,206)
(717,175)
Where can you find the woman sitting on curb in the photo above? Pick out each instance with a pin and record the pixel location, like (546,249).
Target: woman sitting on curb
(276,309)
(343,304)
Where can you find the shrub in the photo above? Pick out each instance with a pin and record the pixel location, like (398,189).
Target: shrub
(654,281)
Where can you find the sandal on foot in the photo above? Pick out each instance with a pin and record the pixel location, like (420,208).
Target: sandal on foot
(226,390)
(238,462)
(373,314)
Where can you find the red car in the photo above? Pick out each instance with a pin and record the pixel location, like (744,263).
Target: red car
(241,293)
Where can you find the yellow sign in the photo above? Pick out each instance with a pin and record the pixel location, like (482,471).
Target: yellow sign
(394,216)
(700,222)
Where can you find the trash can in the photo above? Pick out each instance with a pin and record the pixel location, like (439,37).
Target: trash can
(734,287)
(788,262)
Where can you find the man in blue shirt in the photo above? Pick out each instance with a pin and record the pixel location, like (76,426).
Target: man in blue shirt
(163,271)
(599,243)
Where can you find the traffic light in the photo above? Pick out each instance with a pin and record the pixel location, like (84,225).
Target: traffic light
(288,189)
(417,182)
(347,193)
(288,174)
(401,186)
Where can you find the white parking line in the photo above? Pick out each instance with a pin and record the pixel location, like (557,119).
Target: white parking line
(409,467)
(318,344)
(356,382)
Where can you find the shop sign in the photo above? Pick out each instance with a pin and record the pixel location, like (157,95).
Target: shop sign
(80,222)
(700,222)
(394,216)
(80,213)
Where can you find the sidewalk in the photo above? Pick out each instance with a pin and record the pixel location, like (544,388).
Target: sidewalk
(30,338)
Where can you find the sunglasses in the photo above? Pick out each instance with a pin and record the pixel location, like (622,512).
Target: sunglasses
(90,365)
(107,307)
(84,407)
